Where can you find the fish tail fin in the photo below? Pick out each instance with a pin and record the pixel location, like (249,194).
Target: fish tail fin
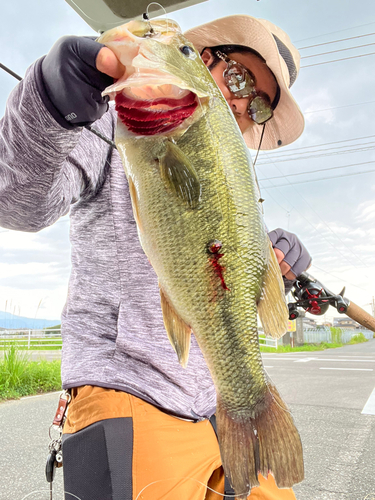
(272,308)
(269,442)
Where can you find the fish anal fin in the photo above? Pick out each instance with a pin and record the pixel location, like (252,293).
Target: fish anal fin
(179,175)
(272,306)
(270,442)
(134,199)
(179,333)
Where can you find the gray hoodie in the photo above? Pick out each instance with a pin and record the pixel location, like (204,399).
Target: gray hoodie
(112,325)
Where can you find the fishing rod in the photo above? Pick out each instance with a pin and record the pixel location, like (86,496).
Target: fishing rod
(88,127)
(315,298)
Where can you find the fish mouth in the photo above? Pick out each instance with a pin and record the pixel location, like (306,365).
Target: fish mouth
(155,110)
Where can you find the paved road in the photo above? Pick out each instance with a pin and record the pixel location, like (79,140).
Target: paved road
(326,391)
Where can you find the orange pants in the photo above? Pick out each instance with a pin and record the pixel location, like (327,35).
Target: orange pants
(172,459)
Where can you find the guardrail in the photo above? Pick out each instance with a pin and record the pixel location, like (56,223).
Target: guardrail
(32,338)
(267,341)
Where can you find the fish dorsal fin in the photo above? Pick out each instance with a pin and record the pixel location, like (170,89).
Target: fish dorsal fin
(179,175)
(178,331)
(272,306)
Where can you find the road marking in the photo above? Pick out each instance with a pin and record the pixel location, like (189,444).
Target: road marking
(304,360)
(359,356)
(269,357)
(347,360)
(350,369)
(369,408)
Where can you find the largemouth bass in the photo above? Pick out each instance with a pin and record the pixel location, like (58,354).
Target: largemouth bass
(199,221)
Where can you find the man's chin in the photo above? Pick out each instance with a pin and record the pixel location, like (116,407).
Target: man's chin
(244,126)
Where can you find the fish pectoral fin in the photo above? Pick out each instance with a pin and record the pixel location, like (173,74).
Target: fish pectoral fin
(272,307)
(179,333)
(134,200)
(179,175)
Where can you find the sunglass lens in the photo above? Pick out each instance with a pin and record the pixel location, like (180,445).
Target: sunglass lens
(238,80)
(260,110)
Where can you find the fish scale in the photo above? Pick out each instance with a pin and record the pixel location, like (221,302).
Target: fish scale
(190,187)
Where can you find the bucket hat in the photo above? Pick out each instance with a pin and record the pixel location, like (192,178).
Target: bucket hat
(282,58)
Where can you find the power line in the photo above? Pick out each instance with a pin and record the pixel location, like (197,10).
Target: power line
(337,60)
(322,178)
(336,249)
(337,107)
(321,155)
(339,50)
(314,171)
(323,152)
(300,197)
(332,32)
(327,150)
(340,279)
(336,41)
(324,144)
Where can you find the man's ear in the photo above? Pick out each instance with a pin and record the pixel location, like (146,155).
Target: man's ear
(207,57)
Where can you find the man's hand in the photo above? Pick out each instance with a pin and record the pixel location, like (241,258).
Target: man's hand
(107,62)
(292,256)
(74,73)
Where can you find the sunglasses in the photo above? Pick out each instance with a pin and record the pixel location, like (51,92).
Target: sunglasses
(241,82)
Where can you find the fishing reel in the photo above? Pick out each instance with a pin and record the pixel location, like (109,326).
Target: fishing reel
(314,297)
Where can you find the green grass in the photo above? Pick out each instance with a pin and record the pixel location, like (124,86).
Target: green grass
(21,377)
(358,339)
(305,347)
(35,345)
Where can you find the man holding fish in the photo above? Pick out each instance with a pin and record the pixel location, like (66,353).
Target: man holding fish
(138,425)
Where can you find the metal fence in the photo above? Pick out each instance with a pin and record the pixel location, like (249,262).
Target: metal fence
(52,337)
(342,335)
(32,338)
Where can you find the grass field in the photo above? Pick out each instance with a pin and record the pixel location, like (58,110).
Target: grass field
(21,377)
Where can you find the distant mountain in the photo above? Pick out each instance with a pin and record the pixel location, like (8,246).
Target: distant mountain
(11,322)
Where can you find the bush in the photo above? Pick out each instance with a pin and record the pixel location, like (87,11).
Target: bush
(20,377)
(13,366)
(336,334)
(357,339)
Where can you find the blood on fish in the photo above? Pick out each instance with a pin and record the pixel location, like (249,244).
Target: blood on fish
(218,268)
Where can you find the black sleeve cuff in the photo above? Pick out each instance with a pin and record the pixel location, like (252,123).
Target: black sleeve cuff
(47,101)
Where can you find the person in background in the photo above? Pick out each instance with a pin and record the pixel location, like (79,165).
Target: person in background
(138,423)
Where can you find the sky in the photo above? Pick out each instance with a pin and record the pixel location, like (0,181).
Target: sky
(321,187)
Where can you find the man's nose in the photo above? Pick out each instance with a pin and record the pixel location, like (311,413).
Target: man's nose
(239,106)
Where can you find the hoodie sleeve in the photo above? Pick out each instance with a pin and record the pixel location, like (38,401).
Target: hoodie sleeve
(44,168)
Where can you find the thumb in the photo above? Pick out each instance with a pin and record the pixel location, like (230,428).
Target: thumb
(107,62)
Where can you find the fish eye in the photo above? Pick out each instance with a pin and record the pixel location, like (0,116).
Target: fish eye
(187,51)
